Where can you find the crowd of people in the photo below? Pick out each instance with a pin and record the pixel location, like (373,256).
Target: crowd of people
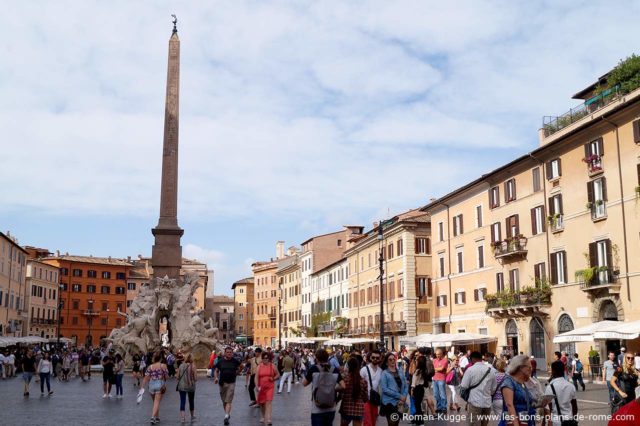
(360,386)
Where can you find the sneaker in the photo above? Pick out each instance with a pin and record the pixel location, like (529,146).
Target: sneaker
(153,420)
(253,404)
(50,393)
(110,396)
(41,393)
(226,420)
(104,396)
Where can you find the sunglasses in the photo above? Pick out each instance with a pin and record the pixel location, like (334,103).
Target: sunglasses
(375,358)
(629,357)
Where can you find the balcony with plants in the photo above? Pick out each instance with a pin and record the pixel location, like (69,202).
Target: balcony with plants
(529,300)
(511,248)
(623,79)
(556,222)
(393,326)
(597,278)
(598,209)
(594,164)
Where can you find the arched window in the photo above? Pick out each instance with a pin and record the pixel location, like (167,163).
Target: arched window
(536,331)
(565,324)
(511,330)
(608,311)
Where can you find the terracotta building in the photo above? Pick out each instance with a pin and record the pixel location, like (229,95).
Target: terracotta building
(42,299)
(92,291)
(13,288)
(221,310)
(243,310)
(265,303)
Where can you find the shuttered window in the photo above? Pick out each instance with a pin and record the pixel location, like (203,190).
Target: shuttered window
(494,197)
(559,267)
(538,223)
(636,131)
(535,173)
(499,282)
(480,257)
(554,169)
(513,226)
(495,232)
(510,190)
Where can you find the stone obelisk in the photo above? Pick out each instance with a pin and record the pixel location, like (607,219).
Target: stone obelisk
(166,255)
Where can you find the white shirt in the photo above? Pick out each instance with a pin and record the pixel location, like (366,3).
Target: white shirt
(1,359)
(464,361)
(636,360)
(11,359)
(480,396)
(566,392)
(376,374)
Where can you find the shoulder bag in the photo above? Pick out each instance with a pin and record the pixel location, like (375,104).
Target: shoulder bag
(374,396)
(563,422)
(465,393)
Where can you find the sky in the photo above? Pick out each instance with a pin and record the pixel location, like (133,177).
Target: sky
(296,117)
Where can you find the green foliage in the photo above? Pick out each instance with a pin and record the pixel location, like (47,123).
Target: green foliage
(341,325)
(585,275)
(540,293)
(593,353)
(316,320)
(626,75)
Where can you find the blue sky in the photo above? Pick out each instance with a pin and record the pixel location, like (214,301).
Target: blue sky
(296,117)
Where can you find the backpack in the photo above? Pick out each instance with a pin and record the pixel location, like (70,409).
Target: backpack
(579,366)
(324,393)
(431,371)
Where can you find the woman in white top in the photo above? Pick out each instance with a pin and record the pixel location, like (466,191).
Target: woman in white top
(44,370)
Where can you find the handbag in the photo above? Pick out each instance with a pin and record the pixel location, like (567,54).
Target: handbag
(449,377)
(374,396)
(465,393)
(185,370)
(563,422)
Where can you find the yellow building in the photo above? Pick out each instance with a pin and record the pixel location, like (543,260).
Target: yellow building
(13,268)
(42,299)
(548,242)
(265,331)
(243,308)
(407,294)
(288,275)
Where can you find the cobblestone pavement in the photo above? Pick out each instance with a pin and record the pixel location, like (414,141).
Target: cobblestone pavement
(78,403)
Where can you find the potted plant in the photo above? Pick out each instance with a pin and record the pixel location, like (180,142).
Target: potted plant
(594,361)
(638,191)
(599,202)
(589,205)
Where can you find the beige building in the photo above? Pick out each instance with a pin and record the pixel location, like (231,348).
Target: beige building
(265,331)
(548,242)
(13,289)
(407,295)
(243,310)
(290,297)
(42,299)
(221,310)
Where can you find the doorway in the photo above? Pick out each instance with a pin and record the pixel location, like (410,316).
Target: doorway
(512,338)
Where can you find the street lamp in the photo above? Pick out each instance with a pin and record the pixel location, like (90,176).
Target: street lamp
(280,314)
(60,306)
(381,262)
(90,313)
(106,324)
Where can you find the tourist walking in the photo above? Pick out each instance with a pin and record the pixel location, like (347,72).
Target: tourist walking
(287,371)
(608,368)
(135,369)
(28,370)
(108,374)
(452,379)
(625,379)
(10,365)
(266,376)
(480,381)
(372,374)
(325,380)
(156,376)
(576,372)
(564,406)
(440,365)
(394,390)
(497,402)
(621,360)
(255,363)
(171,359)
(85,369)
(119,367)
(227,370)
(419,383)
(354,395)
(66,366)
(187,377)
(44,371)
(518,402)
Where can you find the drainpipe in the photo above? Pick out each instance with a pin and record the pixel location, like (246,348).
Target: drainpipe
(624,218)
(449,262)
(546,209)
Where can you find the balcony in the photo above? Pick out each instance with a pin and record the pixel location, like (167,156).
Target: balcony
(598,210)
(556,223)
(594,164)
(526,302)
(325,328)
(91,312)
(599,279)
(553,124)
(395,326)
(512,249)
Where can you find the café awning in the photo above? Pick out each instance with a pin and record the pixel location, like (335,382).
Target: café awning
(587,333)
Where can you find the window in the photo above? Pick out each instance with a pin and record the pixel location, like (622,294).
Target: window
(495,232)
(499,282)
(555,217)
(513,227)
(537,220)
(63,286)
(241,290)
(494,197)
(424,287)
(424,315)
(595,148)
(106,275)
(103,321)
(440,231)
(400,248)
(535,173)
(600,255)
(539,274)
(339,243)
(514,280)
(480,250)
(105,289)
(554,169)
(457,225)
(423,246)
(75,304)
(120,290)
(92,274)
(390,250)
(510,190)
(460,260)
(461,298)
(597,196)
(105,306)
(559,267)
(77,272)
(479,294)
(76,288)
(74,320)
(120,276)
(441,300)
(91,288)
(132,286)
(478,216)
(441,265)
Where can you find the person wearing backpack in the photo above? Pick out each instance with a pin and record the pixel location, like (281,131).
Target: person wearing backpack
(325,381)
(477,388)
(577,369)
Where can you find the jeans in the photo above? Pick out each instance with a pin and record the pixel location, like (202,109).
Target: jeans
(119,384)
(418,396)
(183,402)
(43,377)
(323,419)
(577,377)
(286,376)
(612,391)
(252,388)
(440,394)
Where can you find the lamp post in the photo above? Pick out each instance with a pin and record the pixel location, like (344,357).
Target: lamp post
(90,313)
(280,314)
(381,264)
(59,310)
(106,324)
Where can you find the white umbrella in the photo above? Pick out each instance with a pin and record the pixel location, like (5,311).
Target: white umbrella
(620,330)
(586,333)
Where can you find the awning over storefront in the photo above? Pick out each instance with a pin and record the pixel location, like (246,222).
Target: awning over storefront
(449,339)
(28,340)
(349,341)
(623,331)
(596,330)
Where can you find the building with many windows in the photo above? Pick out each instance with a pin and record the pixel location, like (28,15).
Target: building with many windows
(13,288)
(243,308)
(220,309)
(290,303)
(265,324)
(42,299)
(330,299)
(548,242)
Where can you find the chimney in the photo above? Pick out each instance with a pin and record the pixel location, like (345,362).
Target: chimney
(57,253)
(129,259)
(279,249)
(109,258)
